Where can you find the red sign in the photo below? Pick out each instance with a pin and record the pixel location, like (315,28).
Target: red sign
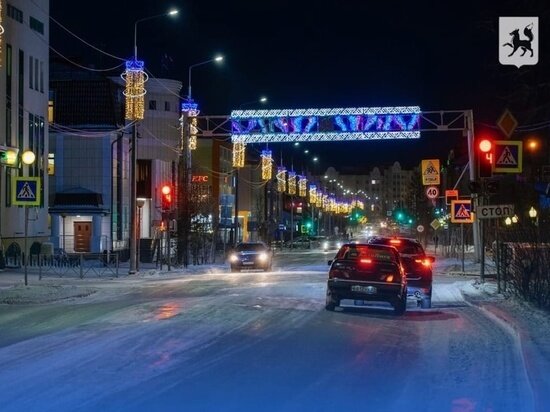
(450,195)
(199,179)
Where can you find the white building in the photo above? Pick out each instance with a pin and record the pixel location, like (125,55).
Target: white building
(23,117)
(91,145)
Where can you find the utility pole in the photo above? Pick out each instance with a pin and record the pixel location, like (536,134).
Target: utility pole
(184,195)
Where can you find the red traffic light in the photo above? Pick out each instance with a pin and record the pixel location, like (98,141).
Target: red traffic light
(485,145)
(485,158)
(166,191)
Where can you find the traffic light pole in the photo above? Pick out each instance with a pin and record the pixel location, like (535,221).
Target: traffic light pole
(474,196)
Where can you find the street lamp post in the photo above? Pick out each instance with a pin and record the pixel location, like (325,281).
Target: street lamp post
(133,160)
(215,59)
(184,169)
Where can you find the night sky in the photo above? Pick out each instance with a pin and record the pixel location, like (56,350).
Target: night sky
(440,55)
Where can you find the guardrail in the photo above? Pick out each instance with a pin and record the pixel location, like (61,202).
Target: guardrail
(81,265)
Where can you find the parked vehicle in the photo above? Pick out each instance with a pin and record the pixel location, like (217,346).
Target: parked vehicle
(367,272)
(302,242)
(251,255)
(417,265)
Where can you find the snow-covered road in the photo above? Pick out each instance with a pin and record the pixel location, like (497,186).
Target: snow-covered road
(257,342)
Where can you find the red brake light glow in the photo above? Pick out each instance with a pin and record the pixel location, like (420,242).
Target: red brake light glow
(365,261)
(425,262)
(395,241)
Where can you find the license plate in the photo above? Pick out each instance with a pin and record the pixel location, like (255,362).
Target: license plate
(248,263)
(369,290)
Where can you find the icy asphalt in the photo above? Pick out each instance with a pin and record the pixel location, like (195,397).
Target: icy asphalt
(529,326)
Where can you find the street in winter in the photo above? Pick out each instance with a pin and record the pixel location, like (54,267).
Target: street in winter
(274,206)
(206,339)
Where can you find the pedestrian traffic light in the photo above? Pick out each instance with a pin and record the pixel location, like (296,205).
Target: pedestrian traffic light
(166,194)
(485,158)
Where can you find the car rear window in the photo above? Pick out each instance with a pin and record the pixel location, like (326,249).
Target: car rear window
(246,247)
(376,254)
(404,246)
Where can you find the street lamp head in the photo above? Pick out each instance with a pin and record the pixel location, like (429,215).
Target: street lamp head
(173,12)
(28,157)
(263,99)
(218,58)
(532,212)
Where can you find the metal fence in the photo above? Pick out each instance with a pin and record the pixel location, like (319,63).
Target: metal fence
(77,265)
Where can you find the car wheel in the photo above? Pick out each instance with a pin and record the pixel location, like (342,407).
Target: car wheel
(331,303)
(400,305)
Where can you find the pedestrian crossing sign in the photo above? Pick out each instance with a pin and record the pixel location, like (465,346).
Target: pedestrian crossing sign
(508,156)
(25,191)
(461,211)
(430,172)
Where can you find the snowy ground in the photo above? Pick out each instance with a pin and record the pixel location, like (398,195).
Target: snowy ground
(189,340)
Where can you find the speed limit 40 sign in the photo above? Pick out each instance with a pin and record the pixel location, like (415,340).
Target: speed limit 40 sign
(432,192)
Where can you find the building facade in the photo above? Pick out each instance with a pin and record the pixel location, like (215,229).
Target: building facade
(24,73)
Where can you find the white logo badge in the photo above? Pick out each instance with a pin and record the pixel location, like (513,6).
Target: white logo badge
(518,41)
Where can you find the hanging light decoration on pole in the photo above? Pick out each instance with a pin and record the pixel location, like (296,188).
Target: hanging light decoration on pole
(238,153)
(319,200)
(291,183)
(135,79)
(302,186)
(281,179)
(313,194)
(267,161)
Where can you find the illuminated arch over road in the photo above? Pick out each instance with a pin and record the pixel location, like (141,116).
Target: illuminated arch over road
(318,125)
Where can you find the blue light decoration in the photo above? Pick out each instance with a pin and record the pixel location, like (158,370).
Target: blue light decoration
(190,107)
(314,125)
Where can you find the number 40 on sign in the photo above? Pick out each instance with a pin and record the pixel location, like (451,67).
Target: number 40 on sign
(432,192)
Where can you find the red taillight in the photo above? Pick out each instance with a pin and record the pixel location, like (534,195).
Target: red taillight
(424,262)
(365,261)
(395,241)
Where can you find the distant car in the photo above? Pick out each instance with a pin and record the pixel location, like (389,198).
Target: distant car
(331,244)
(417,265)
(302,242)
(251,255)
(364,272)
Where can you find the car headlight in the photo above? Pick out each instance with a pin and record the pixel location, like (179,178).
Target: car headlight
(325,245)
(338,245)
(262,257)
(233,258)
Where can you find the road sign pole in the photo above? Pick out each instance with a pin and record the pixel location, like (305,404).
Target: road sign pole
(25,243)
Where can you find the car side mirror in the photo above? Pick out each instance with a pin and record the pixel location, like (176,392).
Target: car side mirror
(330,262)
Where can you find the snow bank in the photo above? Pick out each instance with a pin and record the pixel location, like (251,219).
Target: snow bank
(43,293)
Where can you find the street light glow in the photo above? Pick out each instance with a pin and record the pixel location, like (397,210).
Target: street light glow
(263,99)
(218,58)
(173,12)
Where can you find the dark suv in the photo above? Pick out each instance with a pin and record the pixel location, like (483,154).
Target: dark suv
(365,272)
(252,255)
(417,265)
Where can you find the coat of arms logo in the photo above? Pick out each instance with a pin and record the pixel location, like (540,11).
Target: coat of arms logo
(518,41)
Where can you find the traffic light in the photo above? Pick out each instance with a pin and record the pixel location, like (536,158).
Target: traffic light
(166,194)
(8,157)
(485,158)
